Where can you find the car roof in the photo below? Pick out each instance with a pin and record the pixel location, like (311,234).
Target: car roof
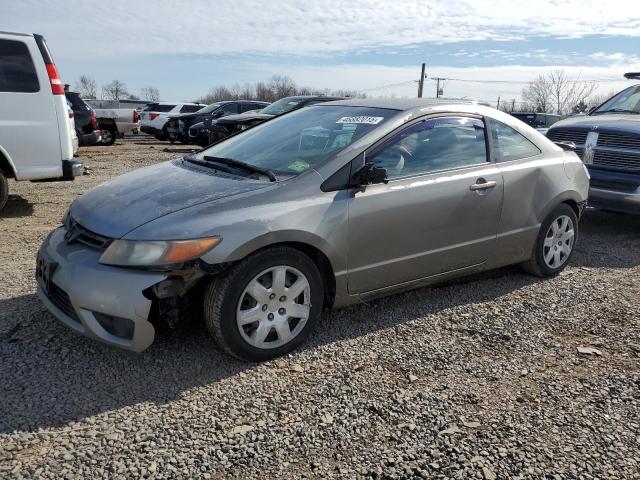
(400,104)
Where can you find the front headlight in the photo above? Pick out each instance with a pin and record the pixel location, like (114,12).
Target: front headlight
(135,253)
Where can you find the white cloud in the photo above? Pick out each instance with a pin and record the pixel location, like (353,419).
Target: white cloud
(303,27)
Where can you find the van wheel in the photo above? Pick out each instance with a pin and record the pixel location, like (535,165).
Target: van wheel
(4,190)
(266,305)
(555,244)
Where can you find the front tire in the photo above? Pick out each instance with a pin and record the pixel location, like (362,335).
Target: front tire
(109,136)
(4,190)
(266,305)
(555,243)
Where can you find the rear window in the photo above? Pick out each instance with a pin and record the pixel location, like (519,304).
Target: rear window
(77,104)
(159,108)
(190,108)
(17,71)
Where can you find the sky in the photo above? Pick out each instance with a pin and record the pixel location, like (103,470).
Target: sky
(485,48)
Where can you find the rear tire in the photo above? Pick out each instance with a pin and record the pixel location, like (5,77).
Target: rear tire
(109,136)
(4,190)
(555,243)
(258,329)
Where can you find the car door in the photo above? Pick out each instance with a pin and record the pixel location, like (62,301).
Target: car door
(438,213)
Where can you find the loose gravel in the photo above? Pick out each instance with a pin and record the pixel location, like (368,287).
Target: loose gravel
(479,378)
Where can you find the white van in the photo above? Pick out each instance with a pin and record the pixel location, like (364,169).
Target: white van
(35,134)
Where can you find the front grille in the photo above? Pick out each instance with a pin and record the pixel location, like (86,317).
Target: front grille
(74,232)
(579,137)
(619,140)
(616,159)
(61,300)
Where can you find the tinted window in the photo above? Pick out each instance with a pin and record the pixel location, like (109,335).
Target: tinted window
(229,108)
(433,145)
(17,71)
(77,104)
(509,144)
(190,108)
(159,108)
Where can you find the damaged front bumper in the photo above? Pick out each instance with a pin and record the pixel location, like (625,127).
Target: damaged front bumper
(101,302)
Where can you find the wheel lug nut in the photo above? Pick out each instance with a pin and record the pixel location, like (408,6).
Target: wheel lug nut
(272,296)
(283,298)
(264,307)
(282,311)
(270,316)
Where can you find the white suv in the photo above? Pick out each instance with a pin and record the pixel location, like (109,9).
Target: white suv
(35,131)
(153,119)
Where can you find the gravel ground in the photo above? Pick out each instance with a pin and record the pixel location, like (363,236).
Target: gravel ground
(480,378)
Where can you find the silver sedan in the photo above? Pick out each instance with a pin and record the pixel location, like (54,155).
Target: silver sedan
(322,207)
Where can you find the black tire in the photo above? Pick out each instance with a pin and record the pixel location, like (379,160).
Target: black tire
(536,265)
(4,190)
(112,134)
(164,135)
(223,294)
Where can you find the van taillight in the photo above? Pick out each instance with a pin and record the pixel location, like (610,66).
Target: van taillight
(70,114)
(94,120)
(153,116)
(57,88)
(136,116)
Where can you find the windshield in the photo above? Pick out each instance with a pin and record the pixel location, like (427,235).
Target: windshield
(627,101)
(209,108)
(301,140)
(283,105)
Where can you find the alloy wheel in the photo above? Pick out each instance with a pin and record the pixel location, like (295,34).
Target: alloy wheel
(558,242)
(106,136)
(274,307)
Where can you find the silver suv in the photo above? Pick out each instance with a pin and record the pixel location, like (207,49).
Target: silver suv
(321,207)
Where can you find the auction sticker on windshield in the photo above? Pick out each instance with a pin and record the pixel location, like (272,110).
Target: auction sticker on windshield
(361,119)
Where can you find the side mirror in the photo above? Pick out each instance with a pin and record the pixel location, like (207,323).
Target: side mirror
(218,114)
(370,175)
(566,146)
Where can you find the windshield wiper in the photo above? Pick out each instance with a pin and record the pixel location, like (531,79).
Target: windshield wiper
(245,166)
(618,110)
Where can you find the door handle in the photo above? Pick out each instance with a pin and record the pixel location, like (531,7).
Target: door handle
(482,184)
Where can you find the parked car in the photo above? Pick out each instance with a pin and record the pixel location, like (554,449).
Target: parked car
(35,129)
(178,125)
(72,126)
(213,130)
(115,119)
(154,117)
(540,121)
(85,120)
(608,140)
(326,206)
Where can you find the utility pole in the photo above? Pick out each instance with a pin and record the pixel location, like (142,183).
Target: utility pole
(421,82)
(437,79)
(498,106)
(513,105)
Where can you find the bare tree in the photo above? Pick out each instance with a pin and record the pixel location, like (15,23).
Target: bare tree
(114,90)
(151,94)
(556,92)
(86,87)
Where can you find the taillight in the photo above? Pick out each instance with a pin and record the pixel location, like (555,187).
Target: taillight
(136,116)
(57,88)
(94,120)
(153,116)
(70,114)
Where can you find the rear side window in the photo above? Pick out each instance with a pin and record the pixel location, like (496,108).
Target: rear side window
(17,71)
(190,108)
(509,144)
(159,108)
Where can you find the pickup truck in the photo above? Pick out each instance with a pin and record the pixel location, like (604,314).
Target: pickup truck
(114,119)
(35,128)
(608,141)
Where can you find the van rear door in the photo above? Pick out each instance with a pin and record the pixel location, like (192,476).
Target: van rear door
(32,136)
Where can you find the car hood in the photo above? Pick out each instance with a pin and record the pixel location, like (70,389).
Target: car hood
(116,207)
(618,121)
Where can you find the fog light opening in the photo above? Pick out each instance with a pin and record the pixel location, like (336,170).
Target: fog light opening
(119,327)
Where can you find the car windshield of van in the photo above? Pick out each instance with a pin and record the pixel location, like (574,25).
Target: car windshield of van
(283,105)
(209,108)
(627,101)
(299,141)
